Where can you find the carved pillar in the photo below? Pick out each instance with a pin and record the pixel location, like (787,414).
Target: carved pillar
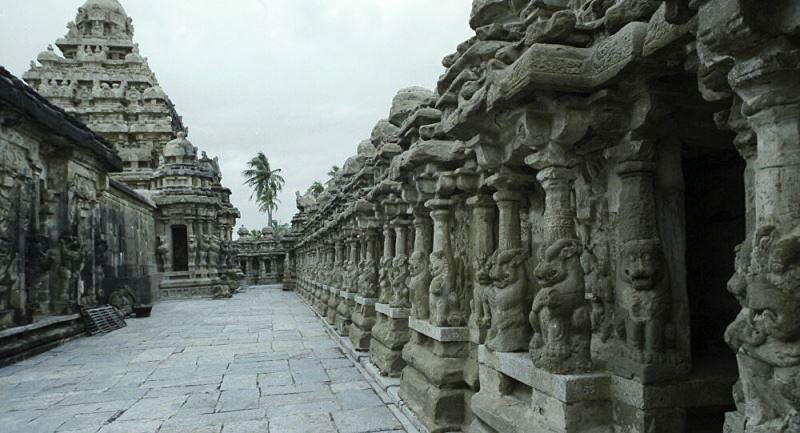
(420,264)
(400,276)
(510,330)
(560,313)
(645,304)
(441,305)
(483,245)
(765,59)
(384,277)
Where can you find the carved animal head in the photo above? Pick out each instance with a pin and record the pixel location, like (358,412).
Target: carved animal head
(737,284)
(773,291)
(418,262)
(508,267)
(439,263)
(555,265)
(400,262)
(642,264)
(483,267)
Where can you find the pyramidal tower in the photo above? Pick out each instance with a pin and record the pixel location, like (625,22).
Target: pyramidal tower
(101,78)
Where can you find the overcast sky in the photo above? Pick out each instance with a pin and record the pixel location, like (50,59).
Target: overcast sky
(304,81)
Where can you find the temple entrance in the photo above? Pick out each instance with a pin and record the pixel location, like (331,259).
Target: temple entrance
(715,225)
(268,264)
(180,249)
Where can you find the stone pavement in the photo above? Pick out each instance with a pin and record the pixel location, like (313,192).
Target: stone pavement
(260,362)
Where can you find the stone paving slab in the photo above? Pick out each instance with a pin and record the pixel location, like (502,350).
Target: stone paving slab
(261,362)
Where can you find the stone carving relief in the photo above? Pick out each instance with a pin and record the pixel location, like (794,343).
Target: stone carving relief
(644,298)
(401,280)
(766,333)
(559,316)
(510,331)
(421,277)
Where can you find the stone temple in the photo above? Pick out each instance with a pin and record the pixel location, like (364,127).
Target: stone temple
(101,79)
(590,225)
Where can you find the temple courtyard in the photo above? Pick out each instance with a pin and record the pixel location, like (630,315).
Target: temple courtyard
(259,362)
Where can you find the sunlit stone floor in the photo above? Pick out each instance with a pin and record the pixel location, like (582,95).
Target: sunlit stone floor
(260,362)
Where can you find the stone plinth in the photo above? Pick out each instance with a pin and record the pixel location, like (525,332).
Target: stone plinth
(432,383)
(344,312)
(389,335)
(516,397)
(363,320)
(333,304)
(438,333)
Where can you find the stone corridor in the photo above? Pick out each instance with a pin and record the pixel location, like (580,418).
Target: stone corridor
(260,362)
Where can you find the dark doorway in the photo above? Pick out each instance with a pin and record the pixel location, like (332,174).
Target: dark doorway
(180,249)
(715,225)
(269,266)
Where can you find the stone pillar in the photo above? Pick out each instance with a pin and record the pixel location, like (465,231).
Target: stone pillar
(420,264)
(483,245)
(339,269)
(390,333)
(400,290)
(363,318)
(349,289)
(385,274)
(509,331)
(560,312)
(432,382)
(441,304)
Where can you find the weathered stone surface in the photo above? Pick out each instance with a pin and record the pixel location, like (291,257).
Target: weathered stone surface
(198,366)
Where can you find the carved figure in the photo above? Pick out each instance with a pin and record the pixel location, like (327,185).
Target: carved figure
(400,282)
(509,330)
(766,333)
(162,254)
(368,280)
(482,294)
(643,297)
(70,266)
(385,280)
(420,284)
(441,288)
(559,316)
(123,300)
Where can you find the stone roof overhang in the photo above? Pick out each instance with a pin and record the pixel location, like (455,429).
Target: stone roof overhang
(22,97)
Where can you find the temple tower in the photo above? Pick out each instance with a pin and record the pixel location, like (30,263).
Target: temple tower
(101,78)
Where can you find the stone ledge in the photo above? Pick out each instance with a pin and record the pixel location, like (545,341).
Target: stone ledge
(360,300)
(702,390)
(438,333)
(567,388)
(348,295)
(25,341)
(393,313)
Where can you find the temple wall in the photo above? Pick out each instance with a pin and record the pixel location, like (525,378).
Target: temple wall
(127,226)
(51,191)
(565,210)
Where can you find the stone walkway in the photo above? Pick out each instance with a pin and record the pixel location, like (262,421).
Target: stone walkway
(260,362)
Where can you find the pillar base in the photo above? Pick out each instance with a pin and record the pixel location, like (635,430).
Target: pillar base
(516,397)
(363,321)
(333,305)
(432,383)
(389,335)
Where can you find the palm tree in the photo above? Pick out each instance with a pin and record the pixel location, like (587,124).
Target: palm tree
(316,188)
(266,184)
(280,229)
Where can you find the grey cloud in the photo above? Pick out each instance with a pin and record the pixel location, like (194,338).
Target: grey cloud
(301,80)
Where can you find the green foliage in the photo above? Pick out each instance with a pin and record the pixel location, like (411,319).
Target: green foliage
(316,188)
(265,182)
